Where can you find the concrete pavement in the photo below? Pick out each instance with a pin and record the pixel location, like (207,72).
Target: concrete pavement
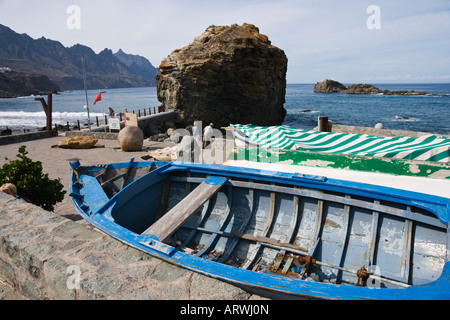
(188,285)
(55,161)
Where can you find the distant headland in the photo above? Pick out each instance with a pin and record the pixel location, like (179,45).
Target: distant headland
(18,84)
(331,86)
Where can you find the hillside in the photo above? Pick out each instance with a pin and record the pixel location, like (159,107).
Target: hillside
(14,84)
(63,65)
(138,64)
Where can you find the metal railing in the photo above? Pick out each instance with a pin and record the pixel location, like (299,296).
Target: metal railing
(140,113)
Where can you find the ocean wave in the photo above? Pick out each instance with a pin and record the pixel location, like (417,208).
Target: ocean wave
(21,97)
(309,111)
(410,119)
(19,119)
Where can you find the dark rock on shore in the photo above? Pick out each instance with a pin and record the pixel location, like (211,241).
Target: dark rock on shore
(229,74)
(15,84)
(331,86)
(6,132)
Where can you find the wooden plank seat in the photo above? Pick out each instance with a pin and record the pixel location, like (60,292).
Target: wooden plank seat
(173,219)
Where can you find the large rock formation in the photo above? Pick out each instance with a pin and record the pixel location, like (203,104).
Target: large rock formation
(229,74)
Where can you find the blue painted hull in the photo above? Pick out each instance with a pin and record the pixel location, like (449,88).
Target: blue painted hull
(258,229)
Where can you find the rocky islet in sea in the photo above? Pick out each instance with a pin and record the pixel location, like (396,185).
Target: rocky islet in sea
(332,86)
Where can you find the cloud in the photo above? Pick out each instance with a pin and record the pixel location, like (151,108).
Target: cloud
(320,38)
(408,78)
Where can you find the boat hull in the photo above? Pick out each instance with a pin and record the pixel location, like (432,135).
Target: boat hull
(256,227)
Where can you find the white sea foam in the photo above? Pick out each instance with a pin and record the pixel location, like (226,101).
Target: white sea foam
(30,120)
(309,111)
(410,119)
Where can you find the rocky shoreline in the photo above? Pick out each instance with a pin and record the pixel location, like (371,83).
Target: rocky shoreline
(331,86)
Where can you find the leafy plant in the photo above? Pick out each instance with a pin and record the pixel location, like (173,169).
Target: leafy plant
(31,182)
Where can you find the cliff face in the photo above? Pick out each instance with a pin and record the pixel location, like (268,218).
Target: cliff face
(14,84)
(62,65)
(229,74)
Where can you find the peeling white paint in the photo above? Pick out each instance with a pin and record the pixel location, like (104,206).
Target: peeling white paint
(414,168)
(316,163)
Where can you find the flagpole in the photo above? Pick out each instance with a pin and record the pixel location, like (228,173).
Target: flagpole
(85,90)
(103,110)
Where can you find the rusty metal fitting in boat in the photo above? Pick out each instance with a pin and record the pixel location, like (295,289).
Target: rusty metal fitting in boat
(308,260)
(362,275)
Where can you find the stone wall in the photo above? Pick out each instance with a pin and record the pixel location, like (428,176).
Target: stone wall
(150,125)
(18,138)
(46,256)
(94,134)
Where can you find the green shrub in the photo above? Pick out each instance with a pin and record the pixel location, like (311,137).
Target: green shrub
(31,182)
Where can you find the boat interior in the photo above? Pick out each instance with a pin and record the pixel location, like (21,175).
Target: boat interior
(272,226)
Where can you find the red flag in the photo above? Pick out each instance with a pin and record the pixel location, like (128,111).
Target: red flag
(99,97)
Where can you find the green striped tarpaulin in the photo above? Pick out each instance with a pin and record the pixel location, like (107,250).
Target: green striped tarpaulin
(425,148)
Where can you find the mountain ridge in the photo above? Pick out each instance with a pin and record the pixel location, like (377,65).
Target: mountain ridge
(138,64)
(63,66)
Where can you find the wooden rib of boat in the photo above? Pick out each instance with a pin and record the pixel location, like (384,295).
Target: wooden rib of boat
(280,235)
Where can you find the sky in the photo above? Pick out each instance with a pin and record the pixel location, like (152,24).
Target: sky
(351,41)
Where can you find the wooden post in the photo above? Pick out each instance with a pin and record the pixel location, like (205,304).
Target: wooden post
(154,110)
(48,108)
(139,113)
(78,125)
(97,121)
(323,124)
(144,113)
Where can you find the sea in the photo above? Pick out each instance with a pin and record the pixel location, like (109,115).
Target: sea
(303,105)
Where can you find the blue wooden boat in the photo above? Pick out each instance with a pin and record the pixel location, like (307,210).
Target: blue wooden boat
(280,235)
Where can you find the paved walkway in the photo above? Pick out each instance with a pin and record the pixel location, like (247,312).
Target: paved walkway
(55,161)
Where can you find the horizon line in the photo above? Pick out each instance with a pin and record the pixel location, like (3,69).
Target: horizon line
(308,83)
